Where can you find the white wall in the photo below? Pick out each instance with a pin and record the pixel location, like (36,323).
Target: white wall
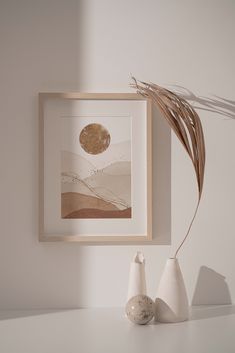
(94,45)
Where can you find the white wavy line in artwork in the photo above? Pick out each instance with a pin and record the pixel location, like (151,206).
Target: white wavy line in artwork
(73,178)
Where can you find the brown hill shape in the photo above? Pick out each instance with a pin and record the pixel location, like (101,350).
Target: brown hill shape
(74,202)
(94,213)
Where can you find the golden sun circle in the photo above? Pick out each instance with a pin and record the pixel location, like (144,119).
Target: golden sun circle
(94,138)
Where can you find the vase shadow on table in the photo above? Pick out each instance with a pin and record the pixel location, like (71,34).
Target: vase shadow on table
(211,290)
(207,312)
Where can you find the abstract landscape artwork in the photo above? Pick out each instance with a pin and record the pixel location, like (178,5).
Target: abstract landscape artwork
(95,167)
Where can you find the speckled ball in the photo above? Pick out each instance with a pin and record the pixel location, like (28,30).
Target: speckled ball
(140,309)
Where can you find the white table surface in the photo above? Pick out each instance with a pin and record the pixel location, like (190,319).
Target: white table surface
(211,329)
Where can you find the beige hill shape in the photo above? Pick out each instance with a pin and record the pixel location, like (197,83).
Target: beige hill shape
(73,162)
(103,183)
(118,168)
(120,185)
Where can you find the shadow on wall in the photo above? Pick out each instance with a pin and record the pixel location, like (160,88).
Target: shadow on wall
(217,105)
(211,288)
(161,180)
(46,54)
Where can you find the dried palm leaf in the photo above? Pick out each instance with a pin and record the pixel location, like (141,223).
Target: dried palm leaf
(186,124)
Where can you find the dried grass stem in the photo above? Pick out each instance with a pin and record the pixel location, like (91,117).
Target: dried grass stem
(186,124)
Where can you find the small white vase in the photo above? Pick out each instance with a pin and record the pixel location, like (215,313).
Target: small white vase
(172,301)
(137,282)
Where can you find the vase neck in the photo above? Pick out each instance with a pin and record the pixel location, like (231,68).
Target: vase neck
(172,261)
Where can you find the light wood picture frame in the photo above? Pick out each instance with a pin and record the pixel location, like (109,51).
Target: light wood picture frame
(95,167)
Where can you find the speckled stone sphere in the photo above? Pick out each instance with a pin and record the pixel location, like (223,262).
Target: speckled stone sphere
(140,309)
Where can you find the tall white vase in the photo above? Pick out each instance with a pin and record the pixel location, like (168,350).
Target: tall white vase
(172,301)
(137,282)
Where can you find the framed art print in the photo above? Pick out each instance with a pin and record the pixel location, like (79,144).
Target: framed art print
(95,167)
